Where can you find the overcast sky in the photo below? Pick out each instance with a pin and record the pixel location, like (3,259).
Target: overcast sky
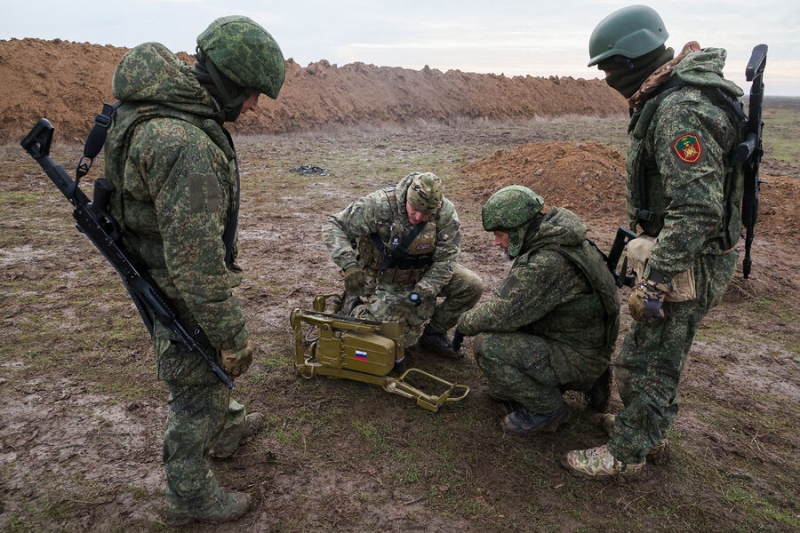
(513,37)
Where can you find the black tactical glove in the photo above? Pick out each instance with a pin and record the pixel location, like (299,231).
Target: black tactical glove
(355,280)
(458,339)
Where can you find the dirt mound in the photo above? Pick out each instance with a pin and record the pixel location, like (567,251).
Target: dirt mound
(67,82)
(585,177)
(589,179)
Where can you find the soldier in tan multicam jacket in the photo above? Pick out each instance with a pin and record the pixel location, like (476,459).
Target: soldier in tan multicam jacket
(398,248)
(175,172)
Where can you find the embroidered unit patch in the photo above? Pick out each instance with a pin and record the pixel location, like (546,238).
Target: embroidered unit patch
(688,148)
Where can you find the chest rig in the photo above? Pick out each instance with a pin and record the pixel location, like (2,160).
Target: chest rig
(398,253)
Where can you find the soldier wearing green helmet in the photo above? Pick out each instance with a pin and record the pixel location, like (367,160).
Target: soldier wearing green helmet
(398,248)
(552,323)
(176,179)
(684,195)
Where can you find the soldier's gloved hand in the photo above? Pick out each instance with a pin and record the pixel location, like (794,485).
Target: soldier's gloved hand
(401,312)
(235,362)
(355,280)
(458,339)
(646,300)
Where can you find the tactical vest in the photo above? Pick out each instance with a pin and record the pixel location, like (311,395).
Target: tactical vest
(383,256)
(124,127)
(590,262)
(646,212)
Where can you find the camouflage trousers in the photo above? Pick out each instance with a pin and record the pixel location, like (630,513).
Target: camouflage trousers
(535,371)
(200,414)
(649,366)
(460,294)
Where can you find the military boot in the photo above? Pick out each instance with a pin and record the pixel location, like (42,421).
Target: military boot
(658,454)
(523,421)
(252,424)
(597,397)
(438,343)
(225,507)
(598,463)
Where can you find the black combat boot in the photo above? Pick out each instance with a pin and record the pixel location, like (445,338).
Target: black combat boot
(438,343)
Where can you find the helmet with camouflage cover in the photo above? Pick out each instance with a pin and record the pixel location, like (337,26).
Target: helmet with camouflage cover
(630,32)
(511,210)
(244,52)
(425,192)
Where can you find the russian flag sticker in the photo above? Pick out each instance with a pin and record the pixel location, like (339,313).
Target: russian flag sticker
(361,356)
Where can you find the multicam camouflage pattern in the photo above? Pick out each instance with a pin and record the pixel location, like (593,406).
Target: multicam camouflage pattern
(552,322)
(425,192)
(175,176)
(697,199)
(384,214)
(246,53)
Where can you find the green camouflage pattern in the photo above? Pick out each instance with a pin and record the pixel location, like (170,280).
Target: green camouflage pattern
(510,207)
(552,322)
(246,53)
(383,213)
(511,210)
(175,208)
(698,206)
(425,192)
(648,369)
(175,179)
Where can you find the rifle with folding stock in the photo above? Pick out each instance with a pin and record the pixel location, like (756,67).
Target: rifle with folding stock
(93,220)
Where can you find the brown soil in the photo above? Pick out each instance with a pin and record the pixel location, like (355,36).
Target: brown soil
(67,83)
(81,420)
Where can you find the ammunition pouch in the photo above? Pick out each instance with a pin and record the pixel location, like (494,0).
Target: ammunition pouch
(683,284)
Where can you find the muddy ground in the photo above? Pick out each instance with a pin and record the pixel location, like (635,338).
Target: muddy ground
(83,413)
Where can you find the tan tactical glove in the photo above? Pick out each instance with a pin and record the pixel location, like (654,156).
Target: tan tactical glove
(646,300)
(236,362)
(355,280)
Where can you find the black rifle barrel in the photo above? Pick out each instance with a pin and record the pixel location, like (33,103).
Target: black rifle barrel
(99,226)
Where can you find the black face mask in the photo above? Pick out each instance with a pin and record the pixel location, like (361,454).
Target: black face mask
(230,96)
(626,75)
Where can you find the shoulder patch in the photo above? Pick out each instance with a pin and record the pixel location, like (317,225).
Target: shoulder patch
(688,148)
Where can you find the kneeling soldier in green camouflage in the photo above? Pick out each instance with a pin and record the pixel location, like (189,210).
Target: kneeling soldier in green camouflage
(552,323)
(398,248)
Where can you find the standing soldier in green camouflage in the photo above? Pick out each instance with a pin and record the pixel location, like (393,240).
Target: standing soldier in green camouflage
(176,176)
(684,193)
(398,249)
(552,323)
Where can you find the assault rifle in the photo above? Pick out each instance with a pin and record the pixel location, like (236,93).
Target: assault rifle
(621,277)
(94,221)
(750,151)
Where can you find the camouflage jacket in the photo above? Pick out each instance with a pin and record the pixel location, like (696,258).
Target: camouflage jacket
(559,288)
(175,174)
(383,213)
(680,166)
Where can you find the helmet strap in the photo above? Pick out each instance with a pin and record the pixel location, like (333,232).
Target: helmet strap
(220,86)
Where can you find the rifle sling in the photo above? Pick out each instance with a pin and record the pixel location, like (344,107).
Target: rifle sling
(391,257)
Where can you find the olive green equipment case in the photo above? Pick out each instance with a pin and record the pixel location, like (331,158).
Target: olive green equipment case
(340,346)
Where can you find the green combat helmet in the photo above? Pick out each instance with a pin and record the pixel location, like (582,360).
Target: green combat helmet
(425,192)
(630,32)
(511,210)
(244,52)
